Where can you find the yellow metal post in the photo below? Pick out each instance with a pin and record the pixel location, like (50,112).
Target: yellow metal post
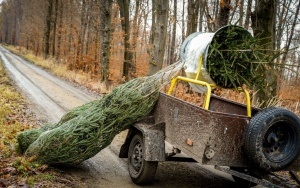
(199,67)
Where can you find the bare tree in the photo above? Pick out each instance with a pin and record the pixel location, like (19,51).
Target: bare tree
(105,23)
(125,22)
(160,9)
(173,39)
(47,31)
(248,14)
(263,24)
(136,23)
(193,12)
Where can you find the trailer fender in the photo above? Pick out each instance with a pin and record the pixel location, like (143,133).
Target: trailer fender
(154,141)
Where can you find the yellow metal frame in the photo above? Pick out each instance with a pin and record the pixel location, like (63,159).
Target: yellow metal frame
(208,93)
(209,86)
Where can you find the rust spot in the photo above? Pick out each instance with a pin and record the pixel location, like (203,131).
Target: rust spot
(189,142)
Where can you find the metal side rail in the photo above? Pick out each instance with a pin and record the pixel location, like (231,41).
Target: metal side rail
(250,178)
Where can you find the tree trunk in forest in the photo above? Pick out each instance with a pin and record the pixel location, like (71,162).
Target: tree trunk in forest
(223,16)
(193,12)
(48,29)
(263,24)
(282,16)
(240,4)
(60,26)
(105,23)
(82,40)
(248,14)
(136,22)
(54,28)
(209,19)
(173,39)
(128,57)
(160,10)
(202,11)
(183,22)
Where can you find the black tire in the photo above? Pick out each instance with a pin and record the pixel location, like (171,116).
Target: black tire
(272,139)
(240,181)
(140,171)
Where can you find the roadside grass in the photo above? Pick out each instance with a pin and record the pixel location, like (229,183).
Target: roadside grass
(15,170)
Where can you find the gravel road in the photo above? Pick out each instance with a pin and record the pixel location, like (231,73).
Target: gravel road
(51,97)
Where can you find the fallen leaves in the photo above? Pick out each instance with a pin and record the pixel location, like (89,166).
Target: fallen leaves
(15,117)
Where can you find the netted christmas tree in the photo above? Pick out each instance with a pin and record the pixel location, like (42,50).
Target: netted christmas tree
(87,129)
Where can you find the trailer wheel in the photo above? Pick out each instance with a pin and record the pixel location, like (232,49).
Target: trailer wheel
(140,171)
(272,139)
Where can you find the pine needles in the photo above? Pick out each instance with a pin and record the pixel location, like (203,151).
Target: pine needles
(86,130)
(230,56)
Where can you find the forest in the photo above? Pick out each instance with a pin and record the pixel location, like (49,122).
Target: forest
(116,41)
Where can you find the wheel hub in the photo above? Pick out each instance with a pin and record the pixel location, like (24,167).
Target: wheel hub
(277,142)
(137,157)
(273,142)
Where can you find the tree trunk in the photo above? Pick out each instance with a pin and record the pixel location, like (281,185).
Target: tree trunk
(83,29)
(193,12)
(202,10)
(248,14)
(263,24)
(173,39)
(183,22)
(223,17)
(60,26)
(105,22)
(48,29)
(158,35)
(124,13)
(135,33)
(54,27)
(241,11)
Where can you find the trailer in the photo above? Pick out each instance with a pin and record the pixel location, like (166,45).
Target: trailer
(248,143)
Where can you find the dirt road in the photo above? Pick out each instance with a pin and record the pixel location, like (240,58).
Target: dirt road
(51,97)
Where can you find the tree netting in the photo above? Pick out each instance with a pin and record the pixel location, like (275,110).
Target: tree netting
(86,130)
(28,137)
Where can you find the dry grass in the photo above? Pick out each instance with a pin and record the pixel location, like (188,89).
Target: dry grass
(15,170)
(289,96)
